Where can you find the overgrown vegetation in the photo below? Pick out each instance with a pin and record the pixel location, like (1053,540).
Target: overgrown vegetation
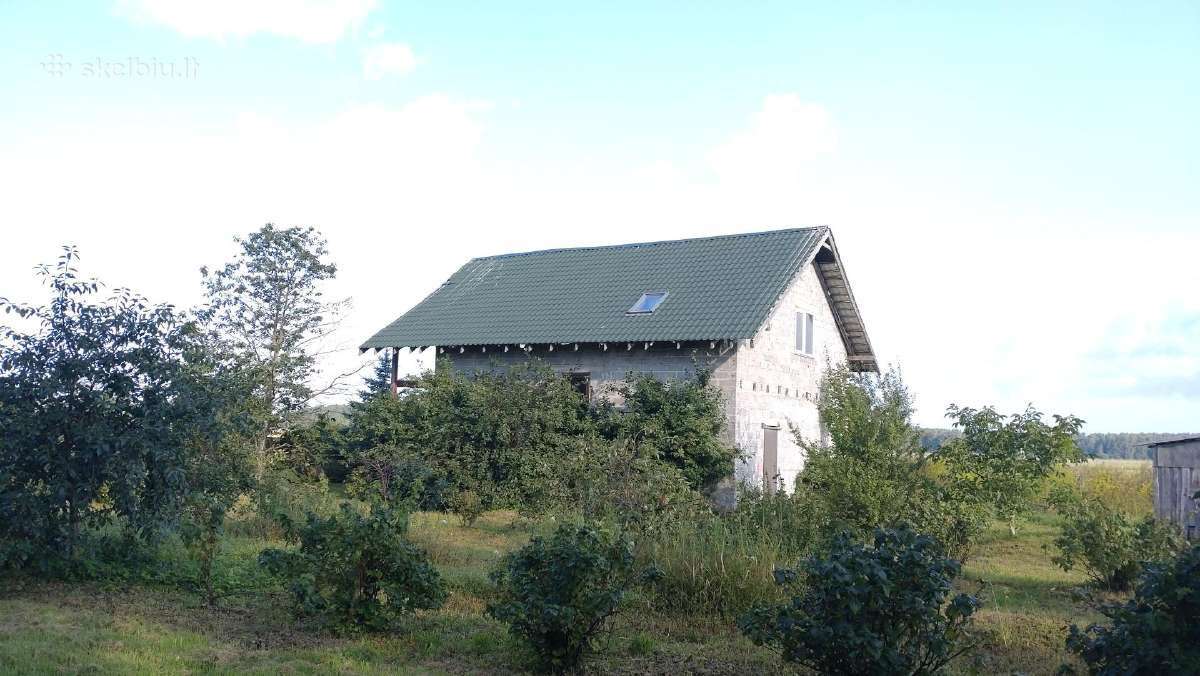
(1156,631)
(140,445)
(1111,546)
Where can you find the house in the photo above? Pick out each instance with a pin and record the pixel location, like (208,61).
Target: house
(764,312)
(1177,483)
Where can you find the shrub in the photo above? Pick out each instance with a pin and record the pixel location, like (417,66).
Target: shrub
(1156,632)
(556,593)
(680,422)
(356,571)
(467,505)
(1106,543)
(616,482)
(870,610)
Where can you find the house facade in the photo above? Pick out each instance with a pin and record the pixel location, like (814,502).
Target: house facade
(765,313)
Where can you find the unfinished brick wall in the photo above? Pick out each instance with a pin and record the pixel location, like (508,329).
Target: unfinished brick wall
(777,385)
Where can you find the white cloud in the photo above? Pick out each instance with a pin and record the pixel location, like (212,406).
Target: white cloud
(392,58)
(980,306)
(782,143)
(317,21)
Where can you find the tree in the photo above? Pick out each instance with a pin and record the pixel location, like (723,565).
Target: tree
(380,379)
(92,410)
(267,303)
(869,473)
(1002,460)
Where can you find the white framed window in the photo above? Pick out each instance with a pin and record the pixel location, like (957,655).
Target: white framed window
(804,333)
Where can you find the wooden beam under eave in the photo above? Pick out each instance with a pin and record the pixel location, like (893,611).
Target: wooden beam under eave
(395,372)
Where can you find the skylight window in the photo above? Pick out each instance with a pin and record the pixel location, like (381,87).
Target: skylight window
(648,303)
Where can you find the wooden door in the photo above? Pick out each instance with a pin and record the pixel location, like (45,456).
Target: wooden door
(770,458)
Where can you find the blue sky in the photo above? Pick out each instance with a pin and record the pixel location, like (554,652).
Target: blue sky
(1013,187)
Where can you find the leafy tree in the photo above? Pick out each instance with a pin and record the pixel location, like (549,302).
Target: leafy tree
(267,304)
(91,413)
(1002,461)
(680,422)
(354,571)
(878,609)
(556,593)
(1110,546)
(869,472)
(1156,632)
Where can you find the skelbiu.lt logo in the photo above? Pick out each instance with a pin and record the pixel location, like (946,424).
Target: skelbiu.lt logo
(133,67)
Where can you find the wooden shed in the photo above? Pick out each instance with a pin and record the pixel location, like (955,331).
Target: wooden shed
(1176,481)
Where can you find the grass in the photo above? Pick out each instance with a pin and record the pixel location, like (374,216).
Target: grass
(60,628)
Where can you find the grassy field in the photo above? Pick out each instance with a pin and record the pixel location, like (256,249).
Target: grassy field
(57,628)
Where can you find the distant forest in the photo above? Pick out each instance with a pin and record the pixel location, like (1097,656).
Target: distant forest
(1099,445)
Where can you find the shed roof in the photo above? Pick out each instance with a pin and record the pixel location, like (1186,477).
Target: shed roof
(717,288)
(1169,442)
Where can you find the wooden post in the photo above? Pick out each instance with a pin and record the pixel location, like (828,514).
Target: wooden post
(395,371)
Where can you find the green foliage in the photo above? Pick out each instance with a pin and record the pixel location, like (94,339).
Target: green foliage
(870,610)
(1002,461)
(95,413)
(466,503)
(379,380)
(314,448)
(715,565)
(868,473)
(556,593)
(355,571)
(680,422)
(267,306)
(617,483)
(873,471)
(218,462)
(1156,632)
(1110,546)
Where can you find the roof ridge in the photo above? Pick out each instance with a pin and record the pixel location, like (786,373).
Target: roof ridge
(661,242)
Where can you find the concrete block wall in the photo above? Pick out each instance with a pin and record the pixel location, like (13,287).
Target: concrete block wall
(608,368)
(778,385)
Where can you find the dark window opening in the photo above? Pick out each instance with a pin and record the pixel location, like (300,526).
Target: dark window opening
(582,383)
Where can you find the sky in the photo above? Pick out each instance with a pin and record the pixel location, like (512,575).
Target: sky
(1014,187)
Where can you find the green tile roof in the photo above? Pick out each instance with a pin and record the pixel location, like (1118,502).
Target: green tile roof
(718,287)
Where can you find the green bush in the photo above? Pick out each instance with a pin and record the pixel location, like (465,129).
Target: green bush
(1156,632)
(1108,544)
(555,593)
(615,482)
(355,571)
(681,422)
(870,610)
